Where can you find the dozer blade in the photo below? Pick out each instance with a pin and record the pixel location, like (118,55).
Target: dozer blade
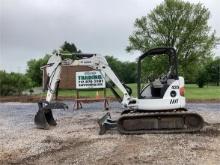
(106,123)
(44,117)
(160,122)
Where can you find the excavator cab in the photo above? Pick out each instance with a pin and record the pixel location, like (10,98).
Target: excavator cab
(157,84)
(160,104)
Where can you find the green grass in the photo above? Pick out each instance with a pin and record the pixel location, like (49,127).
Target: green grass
(192,92)
(93,93)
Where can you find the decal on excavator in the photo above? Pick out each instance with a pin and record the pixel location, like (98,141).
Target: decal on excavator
(175,87)
(173,101)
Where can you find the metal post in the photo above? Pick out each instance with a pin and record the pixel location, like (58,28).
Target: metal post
(105,100)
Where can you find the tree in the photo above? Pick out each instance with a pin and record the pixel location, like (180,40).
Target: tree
(213,71)
(202,78)
(129,72)
(68,48)
(5,84)
(34,72)
(125,71)
(13,83)
(178,24)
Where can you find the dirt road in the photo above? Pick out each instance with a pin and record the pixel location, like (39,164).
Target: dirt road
(75,139)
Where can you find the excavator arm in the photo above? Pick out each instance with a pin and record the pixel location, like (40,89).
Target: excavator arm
(98,62)
(44,117)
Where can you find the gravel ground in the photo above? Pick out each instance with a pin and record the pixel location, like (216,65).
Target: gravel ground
(75,139)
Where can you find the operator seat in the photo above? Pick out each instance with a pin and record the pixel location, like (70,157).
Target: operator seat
(156,87)
(159,86)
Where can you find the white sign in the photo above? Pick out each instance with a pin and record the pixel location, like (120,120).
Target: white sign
(89,79)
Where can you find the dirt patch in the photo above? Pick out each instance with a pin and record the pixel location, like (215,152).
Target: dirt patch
(135,149)
(75,140)
(211,130)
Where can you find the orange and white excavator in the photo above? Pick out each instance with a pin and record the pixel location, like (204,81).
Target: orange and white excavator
(158,108)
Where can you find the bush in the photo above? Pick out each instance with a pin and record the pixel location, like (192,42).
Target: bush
(213,70)
(13,83)
(202,79)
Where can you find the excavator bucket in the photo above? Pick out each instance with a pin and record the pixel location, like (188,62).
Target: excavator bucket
(44,117)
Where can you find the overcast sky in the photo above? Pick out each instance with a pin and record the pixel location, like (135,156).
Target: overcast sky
(31,28)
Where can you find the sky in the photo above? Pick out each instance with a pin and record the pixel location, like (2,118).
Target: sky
(29,29)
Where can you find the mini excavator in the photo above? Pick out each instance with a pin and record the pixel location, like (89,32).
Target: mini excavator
(158,108)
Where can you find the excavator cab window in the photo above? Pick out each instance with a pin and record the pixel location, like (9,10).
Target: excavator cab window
(160,66)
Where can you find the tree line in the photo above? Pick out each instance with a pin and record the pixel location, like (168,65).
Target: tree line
(126,71)
(15,83)
(173,23)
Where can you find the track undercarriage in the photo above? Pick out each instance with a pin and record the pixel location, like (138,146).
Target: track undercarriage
(141,122)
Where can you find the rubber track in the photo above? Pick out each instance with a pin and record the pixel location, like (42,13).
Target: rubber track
(160,115)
